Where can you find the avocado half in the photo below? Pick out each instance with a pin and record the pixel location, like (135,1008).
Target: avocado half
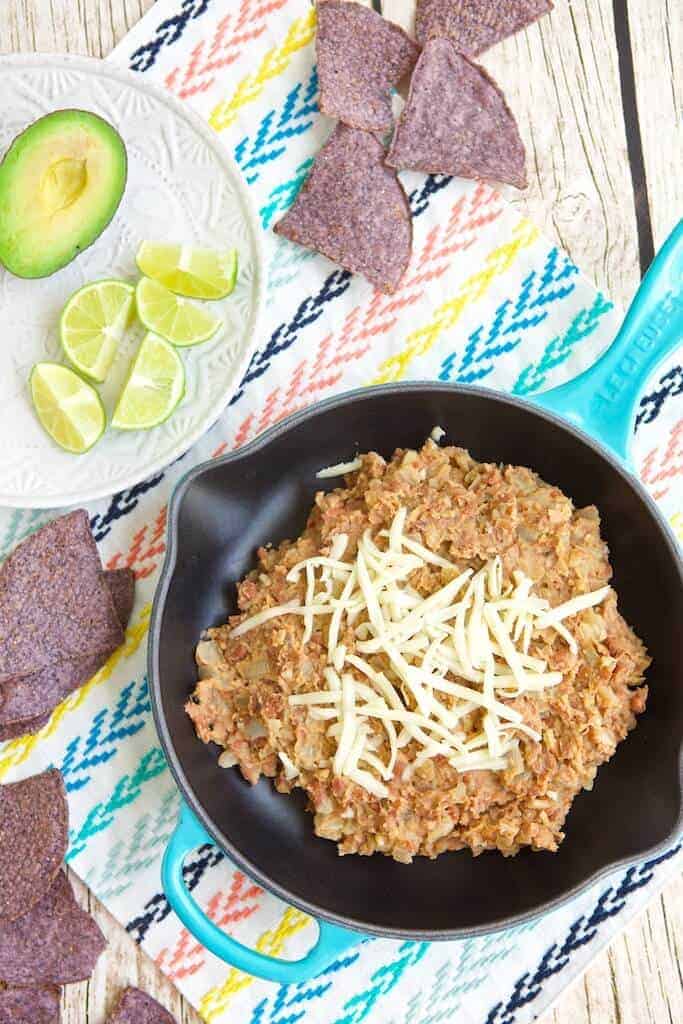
(61,182)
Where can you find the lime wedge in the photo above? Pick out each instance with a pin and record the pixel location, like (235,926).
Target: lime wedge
(92,325)
(155,385)
(70,410)
(179,321)
(197,273)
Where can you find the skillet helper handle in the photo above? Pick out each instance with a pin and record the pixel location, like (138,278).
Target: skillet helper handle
(332,940)
(602,400)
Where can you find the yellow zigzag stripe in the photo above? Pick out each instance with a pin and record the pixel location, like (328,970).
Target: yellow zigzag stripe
(446,316)
(17,751)
(275,61)
(677,525)
(272,942)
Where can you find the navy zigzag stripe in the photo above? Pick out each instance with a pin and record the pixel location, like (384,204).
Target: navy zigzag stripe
(167,33)
(668,386)
(158,908)
(611,902)
(120,505)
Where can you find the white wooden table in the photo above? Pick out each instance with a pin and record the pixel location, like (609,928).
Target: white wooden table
(598,92)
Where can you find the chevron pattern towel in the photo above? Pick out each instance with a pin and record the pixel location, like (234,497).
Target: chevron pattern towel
(486,299)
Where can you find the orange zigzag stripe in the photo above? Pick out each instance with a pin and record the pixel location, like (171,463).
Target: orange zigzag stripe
(188,956)
(365,323)
(223,48)
(664,463)
(146,547)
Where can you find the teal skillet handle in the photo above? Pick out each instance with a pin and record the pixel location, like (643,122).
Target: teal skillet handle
(332,940)
(602,400)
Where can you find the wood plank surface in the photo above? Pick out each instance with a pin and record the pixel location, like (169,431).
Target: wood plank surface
(561,80)
(567,81)
(656,30)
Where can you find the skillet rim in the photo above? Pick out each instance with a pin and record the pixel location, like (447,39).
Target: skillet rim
(166,575)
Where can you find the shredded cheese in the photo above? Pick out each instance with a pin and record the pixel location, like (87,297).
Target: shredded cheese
(572,607)
(291,770)
(341,469)
(463,649)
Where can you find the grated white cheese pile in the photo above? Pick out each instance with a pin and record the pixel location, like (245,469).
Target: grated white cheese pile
(464,647)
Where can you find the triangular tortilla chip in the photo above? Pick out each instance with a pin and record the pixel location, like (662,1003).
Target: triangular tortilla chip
(136,1007)
(27,702)
(29,1005)
(121,583)
(54,943)
(475,25)
(31,697)
(456,121)
(33,838)
(360,58)
(353,209)
(28,726)
(54,599)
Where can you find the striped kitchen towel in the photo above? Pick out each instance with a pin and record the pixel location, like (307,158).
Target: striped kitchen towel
(486,299)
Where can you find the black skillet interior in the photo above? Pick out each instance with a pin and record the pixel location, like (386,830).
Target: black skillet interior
(223,512)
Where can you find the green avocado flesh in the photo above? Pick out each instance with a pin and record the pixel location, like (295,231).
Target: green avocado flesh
(61,182)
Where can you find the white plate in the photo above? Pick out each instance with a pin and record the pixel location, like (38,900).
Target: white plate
(182,187)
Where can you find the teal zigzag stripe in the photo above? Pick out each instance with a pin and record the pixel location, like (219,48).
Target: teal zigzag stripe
(126,791)
(383,980)
(128,857)
(21,523)
(108,730)
(278,127)
(539,293)
(293,1001)
(283,195)
(285,265)
(465,972)
(561,347)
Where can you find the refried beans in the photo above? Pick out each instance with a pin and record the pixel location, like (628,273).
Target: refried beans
(467,513)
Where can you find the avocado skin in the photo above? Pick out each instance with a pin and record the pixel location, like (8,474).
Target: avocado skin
(32,255)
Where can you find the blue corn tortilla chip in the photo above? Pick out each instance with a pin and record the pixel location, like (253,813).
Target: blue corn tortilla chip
(30,1005)
(34,821)
(456,121)
(27,702)
(353,210)
(34,696)
(475,25)
(54,943)
(360,57)
(27,727)
(54,600)
(136,1007)
(121,583)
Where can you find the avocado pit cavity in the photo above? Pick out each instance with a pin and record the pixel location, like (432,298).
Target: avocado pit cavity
(63,184)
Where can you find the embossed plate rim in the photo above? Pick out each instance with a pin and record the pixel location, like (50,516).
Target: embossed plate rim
(103,70)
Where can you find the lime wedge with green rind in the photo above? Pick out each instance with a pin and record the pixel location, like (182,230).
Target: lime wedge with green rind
(69,409)
(190,271)
(176,319)
(155,386)
(92,325)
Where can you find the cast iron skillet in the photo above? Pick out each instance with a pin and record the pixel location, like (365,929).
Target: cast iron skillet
(221,511)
